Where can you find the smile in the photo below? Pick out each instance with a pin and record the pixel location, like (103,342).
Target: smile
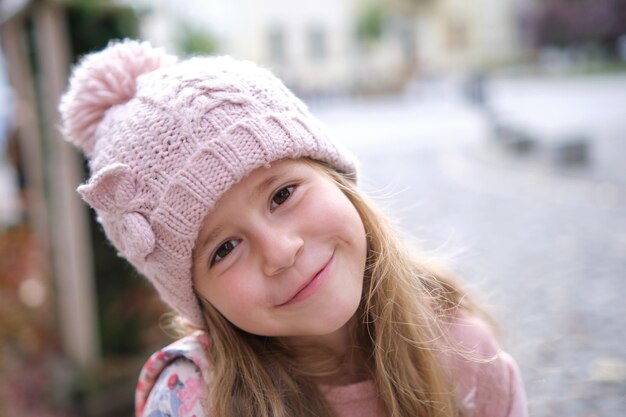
(311,286)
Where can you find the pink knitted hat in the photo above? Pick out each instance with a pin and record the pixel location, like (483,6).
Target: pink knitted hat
(166,139)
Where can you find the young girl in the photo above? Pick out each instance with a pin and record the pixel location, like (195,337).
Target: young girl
(221,188)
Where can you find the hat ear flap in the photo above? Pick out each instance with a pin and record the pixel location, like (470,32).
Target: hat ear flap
(110,189)
(137,239)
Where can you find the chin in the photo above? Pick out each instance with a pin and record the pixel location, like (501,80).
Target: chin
(339,318)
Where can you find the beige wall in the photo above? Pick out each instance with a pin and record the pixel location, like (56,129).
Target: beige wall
(255,30)
(308,44)
(462,36)
(449,36)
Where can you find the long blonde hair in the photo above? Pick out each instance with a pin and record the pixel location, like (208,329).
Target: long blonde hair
(400,328)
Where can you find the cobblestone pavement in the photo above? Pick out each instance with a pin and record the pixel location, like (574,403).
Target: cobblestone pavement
(544,248)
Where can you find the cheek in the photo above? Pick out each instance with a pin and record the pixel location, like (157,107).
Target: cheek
(331,210)
(231,296)
(347,221)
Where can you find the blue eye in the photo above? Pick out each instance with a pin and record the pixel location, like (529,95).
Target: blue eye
(223,250)
(282,195)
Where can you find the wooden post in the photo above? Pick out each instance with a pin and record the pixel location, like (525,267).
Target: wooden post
(70,238)
(27,122)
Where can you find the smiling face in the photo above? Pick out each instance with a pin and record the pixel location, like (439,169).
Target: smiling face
(283,253)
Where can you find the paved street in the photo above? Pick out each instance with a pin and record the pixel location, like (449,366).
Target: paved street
(545,246)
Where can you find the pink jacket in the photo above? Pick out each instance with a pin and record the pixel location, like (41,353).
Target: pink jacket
(175,380)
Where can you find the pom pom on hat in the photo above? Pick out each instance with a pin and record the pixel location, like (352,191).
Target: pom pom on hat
(103,80)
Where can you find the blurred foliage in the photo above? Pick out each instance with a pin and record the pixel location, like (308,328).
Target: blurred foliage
(28,339)
(25,329)
(194,41)
(93,24)
(370,22)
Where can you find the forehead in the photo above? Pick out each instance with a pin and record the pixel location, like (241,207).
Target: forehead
(254,186)
(261,178)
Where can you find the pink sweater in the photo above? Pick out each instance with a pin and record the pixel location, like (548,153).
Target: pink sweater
(175,380)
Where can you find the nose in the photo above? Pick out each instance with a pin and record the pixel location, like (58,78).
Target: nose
(279,248)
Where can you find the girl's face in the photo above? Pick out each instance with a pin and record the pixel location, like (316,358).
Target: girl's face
(283,253)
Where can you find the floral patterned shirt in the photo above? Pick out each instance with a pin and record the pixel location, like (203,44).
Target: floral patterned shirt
(174,382)
(171,383)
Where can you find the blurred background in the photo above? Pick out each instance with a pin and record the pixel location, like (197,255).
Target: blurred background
(495,130)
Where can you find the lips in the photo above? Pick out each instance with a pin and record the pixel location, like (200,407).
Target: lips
(311,285)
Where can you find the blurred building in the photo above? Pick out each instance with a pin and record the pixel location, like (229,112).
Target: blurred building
(452,36)
(315,47)
(309,45)
(350,45)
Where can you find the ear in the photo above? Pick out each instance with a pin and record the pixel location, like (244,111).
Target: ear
(110,189)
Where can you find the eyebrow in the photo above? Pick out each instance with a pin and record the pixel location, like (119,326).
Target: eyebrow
(209,238)
(264,185)
(258,190)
